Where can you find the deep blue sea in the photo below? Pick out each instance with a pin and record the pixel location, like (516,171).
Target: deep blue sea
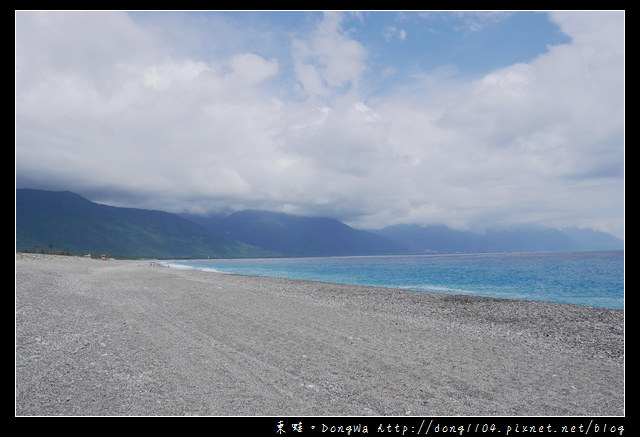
(582,278)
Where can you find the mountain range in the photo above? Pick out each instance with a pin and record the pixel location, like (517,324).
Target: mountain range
(64,221)
(55,221)
(440,239)
(294,236)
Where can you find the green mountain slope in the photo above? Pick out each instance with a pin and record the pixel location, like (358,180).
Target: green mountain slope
(293,236)
(66,221)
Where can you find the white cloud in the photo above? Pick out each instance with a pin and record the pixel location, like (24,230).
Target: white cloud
(171,73)
(474,21)
(393,32)
(249,68)
(329,61)
(521,144)
(103,106)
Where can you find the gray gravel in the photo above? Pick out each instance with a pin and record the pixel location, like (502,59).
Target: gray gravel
(133,338)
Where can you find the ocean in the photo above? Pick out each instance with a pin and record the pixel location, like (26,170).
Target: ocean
(582,278)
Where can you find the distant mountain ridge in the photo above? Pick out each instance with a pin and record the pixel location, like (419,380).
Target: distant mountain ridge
(295,236)
(66,221)
(48,220)
(440,239)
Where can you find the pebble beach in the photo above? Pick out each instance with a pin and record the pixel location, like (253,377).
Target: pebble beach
(135,338)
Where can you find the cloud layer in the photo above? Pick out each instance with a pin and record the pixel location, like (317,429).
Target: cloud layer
(106,107)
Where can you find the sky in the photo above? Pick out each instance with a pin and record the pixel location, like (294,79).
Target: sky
(471,119)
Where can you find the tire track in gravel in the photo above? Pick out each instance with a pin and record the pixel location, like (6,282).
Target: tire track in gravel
(234,356)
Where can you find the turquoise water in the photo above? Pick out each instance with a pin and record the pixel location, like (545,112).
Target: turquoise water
(581,278)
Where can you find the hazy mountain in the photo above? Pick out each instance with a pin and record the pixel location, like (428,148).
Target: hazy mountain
(424,239)
(292,235)
(55,221)
(589,239)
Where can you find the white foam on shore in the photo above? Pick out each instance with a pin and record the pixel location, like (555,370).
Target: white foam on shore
(176,266)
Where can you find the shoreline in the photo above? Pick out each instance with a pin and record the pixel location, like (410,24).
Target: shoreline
(588,289)
(130,338)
